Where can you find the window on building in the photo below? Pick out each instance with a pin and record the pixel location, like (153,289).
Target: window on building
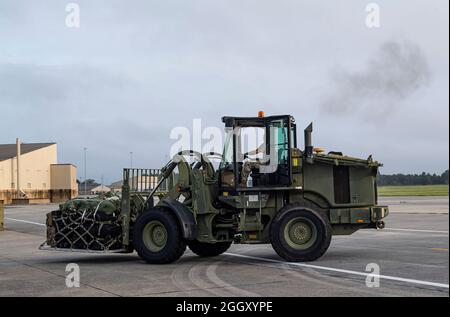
(44,185)
(28,185)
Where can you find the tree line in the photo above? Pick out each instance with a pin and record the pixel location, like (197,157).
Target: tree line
(413,179)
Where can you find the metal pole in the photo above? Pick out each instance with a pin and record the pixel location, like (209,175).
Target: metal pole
(85,179)
(18,150)
(2,215)
(103,190)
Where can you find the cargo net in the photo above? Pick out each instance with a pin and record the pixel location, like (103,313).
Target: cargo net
(86,224)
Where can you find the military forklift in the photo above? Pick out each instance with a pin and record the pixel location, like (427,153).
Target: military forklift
(266,192)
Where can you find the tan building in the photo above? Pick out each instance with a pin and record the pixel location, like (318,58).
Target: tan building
(29,172)
(101,189)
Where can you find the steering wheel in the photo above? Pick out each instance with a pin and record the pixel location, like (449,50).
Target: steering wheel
(192,153)
(207,155)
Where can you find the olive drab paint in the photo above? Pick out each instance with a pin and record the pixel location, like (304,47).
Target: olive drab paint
(297,200)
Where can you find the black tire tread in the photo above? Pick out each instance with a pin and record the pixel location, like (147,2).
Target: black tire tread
(290,256)
(204,249)
(171,252)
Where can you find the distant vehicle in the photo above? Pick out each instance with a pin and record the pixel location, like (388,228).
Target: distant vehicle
(294,199)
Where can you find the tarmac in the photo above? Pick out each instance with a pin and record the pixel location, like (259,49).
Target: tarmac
(411,254)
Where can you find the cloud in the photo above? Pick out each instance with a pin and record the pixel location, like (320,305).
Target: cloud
(130,74)
(48,87)
(395,73)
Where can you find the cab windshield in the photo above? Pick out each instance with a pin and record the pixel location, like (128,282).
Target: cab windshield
(227,158)
(259,149)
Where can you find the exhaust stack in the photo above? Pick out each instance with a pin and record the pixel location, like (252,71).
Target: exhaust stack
(309,149)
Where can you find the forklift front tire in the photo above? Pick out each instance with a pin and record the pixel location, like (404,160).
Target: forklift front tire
(157,237)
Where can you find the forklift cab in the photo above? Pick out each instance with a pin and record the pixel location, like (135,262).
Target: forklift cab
(257,152)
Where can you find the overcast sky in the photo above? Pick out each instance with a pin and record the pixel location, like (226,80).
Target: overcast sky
(134,70)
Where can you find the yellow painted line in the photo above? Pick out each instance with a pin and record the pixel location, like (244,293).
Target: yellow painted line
(440,249)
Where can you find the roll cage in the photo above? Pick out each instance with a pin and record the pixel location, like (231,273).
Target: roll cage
(278,135)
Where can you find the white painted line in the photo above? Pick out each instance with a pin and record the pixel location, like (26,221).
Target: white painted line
(25,221)
(415,230)
(317,267)
(330,269)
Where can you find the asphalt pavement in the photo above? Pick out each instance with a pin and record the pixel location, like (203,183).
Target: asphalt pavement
(411,254)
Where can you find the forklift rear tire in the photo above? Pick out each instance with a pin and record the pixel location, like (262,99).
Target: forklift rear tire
(204,249)
(157,237)
(300,235)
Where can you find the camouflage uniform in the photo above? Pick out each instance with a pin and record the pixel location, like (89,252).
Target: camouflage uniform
(247,169)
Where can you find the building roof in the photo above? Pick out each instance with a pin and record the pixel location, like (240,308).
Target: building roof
(8,151)
(116,185)
(100,188)
(89,186)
